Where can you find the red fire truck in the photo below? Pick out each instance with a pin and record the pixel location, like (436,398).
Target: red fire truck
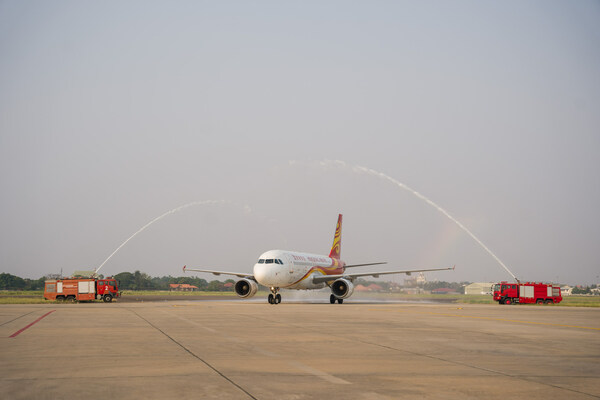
(528,292)
(81,289)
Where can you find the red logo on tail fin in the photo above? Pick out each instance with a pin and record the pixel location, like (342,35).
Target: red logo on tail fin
(336,248)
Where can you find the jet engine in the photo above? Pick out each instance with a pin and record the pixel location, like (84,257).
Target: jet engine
(342,288)
(246,288)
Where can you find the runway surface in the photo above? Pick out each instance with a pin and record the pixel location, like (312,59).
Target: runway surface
(253,350)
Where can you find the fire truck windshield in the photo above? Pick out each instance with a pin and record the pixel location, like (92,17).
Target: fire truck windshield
(496,288)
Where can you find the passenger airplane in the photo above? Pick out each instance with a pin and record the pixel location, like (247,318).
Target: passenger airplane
(278,269)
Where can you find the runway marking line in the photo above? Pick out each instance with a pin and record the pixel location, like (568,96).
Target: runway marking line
(17,333)
(495,319)
(296,364)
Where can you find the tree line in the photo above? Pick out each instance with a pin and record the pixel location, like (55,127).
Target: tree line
(12,282)
(141,281)
(127,281)
(585,290)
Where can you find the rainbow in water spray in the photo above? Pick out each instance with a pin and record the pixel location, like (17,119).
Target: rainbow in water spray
(358,168)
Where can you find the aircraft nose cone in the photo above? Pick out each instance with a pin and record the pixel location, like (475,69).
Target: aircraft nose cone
(263,274)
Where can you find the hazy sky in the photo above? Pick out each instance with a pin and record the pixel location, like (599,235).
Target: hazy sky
(114,112)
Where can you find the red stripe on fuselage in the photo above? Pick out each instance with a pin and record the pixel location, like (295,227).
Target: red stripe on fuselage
(336,268)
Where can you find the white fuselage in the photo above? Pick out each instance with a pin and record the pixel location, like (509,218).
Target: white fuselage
(294,270)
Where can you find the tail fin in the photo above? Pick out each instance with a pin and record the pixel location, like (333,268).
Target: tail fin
(336,247)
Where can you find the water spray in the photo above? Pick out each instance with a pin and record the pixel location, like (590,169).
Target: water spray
(381,175)
(194,203)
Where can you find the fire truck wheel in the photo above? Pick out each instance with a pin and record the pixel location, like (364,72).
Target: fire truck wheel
(507,301)
(540,301)
(549,301)
(107,298)
(71,299)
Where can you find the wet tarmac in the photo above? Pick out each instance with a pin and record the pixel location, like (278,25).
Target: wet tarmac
(222,349)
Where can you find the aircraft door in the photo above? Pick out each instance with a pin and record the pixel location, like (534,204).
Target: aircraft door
(291,268)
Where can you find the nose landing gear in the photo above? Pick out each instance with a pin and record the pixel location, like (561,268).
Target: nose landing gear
(274,297)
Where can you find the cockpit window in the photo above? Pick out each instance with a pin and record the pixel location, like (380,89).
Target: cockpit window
(270,261)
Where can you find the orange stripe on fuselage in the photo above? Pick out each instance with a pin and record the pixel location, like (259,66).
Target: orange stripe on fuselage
(336,268)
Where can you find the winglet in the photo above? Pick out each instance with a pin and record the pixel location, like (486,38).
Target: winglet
(453,267)
(336,247)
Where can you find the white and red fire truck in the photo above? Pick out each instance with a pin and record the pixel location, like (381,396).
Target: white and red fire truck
(81,289)
(528,292)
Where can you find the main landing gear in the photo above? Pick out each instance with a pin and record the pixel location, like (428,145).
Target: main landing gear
(274,297)
(332,300)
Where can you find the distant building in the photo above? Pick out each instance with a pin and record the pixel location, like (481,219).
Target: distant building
(182,287)
(361,288)
(415,290)
(566,290)
(418,280)
(479,288)
(395,287)
(373,287)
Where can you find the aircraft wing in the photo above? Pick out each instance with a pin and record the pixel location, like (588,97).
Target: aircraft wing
(328,278)
(362,265)
(238,274)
